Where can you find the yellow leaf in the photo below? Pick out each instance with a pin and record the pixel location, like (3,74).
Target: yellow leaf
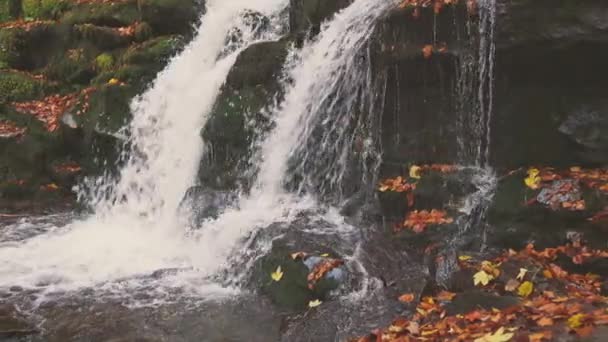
(324,255)
(522,274)
(314,303)
(498,336)
(533,180)
(525,289)
(465,257)
(415,171)
(576,321)
(277,275)
(482,278)
(113,81)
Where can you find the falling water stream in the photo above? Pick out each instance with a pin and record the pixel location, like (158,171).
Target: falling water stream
(323,150)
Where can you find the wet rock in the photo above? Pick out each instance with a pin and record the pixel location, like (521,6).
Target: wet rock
(171,16)
(238,114)
(203,203)
(588,128)
(305,15)
(12,324)
(293,292)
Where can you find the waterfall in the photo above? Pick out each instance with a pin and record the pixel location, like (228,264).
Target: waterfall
(475,89)
(328,110)
(135,229)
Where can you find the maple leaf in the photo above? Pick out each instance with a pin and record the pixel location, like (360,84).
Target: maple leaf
(277,275)
(525,289)
(482,278)
(522,274)
(314,303)
(498,336)
(406,298)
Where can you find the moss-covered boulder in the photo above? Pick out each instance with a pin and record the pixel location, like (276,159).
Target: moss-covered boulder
(28,49)
(111,14)
(292,290)
(16,86)
(252,84)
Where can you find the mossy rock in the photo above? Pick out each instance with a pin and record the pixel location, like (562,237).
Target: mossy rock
(45,9)
(112,14)
(154,51)
(238,114)
(171,16)
(108,110)
(291,292)
(305,15)
(73,69)
(16,87)
(102,37)
(31,49)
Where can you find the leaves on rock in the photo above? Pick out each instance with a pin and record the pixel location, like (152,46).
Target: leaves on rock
(10,130)
(482,278)
(418,221)
(321,269)
(406,298)
(314,303)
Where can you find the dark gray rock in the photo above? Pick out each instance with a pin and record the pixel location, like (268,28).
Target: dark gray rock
(203,203)
(305,15)
(588,128)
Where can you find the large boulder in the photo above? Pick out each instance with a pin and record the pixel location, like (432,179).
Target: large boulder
(238,114)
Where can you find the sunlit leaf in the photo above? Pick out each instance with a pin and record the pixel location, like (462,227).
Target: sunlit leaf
(522,274)
(525,289)
(406,298)
(482,278)
(498,336)
(277,275)
(465,257)
(314,303)
(576,321)
(415,171)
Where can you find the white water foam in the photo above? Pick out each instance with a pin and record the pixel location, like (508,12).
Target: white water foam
(135,230)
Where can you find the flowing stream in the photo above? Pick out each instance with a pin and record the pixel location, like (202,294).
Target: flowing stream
(136,229)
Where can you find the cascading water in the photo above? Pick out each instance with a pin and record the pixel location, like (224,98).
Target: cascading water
(136,229)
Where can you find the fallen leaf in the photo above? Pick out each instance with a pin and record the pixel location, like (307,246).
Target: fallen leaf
(545,322)
(576,321)
(314,303)
(415,171)
(499,336)
(465,257)
(525,289)
(522,274)
(512,285)
(406,298)
(427,51)
(482,278)
(277,275)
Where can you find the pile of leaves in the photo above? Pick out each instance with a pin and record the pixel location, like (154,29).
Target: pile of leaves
(437,5)
(418,221)
(81,2)
(26,25)
(49,109)
(552,302)
(562,189)
(10,130)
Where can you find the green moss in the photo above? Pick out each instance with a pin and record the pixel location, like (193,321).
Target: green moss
(157,50)
(103,14)
(72,68)
(11,42)
(18,87)
(45,9)
(104,62)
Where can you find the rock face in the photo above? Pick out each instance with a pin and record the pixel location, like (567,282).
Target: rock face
(305,15)
(536,85)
